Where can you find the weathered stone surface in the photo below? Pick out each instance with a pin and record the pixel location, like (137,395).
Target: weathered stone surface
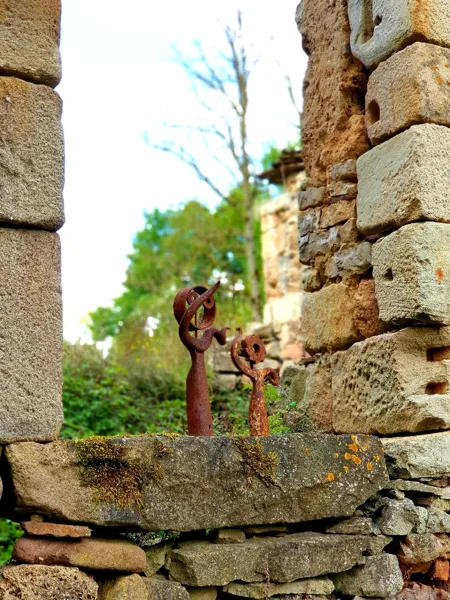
(31,340)
(350,261)
(398,517)
(98,554)
(229,536)
(419,591)
(332,125)
(319,586)
(311,197)
(33,582)
(379,577)
(336,213)
(309,221)
(297,477)
(411,268)
(344,171)
(311,281)
(366,316)
(418,549)
(392,383)
(318,244)
(267,530)
(29,40)
(416,457)
(381,27)
(209,593)
(354,526)
(130,587)
(31,154)
(342,190)
(159,588)
(433,521)
(55,530)
(417,486)
(286,559)
(409,88)
(327,318)
(405,179)
(156,557)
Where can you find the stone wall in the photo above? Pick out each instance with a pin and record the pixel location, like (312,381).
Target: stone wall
(333,511)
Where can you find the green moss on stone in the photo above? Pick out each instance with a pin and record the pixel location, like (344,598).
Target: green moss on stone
(115,474)
(255,460)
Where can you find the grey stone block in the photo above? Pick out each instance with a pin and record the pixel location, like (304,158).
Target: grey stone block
(418,457)
(29,40)
(392,383)
(379,577)
(381,27)
(411,268)
(405,179)
(261,591)
(30,336)
(410,87)
(296,477)
(313,196)
(31,155)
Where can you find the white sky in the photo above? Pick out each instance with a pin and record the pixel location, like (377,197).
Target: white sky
(118,84)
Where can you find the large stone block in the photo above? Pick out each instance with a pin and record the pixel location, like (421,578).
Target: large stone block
(130,587)
(381,27)
(379,577)
(411,268)
(333,123)
(31,155)
(33,582)
(30,336)
(405,179)
(286,559)
(392,383)
(236,481)
(29,40)
(327,318)
(409,88)
(419,456)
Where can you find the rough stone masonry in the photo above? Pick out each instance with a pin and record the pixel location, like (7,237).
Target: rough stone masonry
(330,511)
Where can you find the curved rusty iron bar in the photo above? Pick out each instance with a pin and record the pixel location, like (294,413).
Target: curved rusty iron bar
(186,305)
(251,350)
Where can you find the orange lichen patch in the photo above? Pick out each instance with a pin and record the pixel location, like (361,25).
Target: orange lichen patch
(369,466)
(347,456)
(346,469)
(356,459)
(439,80)
(433,68)
(377,457)
(353,447)
(330,477)
(336,454)
(440,274)
(307,452)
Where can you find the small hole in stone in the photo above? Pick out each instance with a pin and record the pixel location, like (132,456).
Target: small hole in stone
(436,387)
(373,112)
(389,275)
(438,354)
(377,20)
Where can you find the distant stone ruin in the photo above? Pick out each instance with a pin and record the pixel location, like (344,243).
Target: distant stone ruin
(356,503)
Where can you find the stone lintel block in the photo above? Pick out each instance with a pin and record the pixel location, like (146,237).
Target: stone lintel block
(409,88)
(31,155)
(411,269)
(327,318)
(29,40)
(209,472)
(393,383)
(31,336)
(292,557)
(418,457)
(405,179)
(381,27)
(46,583)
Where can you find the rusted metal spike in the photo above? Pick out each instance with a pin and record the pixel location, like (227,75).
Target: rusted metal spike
(195,310)
(252,350)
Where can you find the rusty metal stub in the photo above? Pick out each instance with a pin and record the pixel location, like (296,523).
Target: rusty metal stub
(195,310)
(246,353)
